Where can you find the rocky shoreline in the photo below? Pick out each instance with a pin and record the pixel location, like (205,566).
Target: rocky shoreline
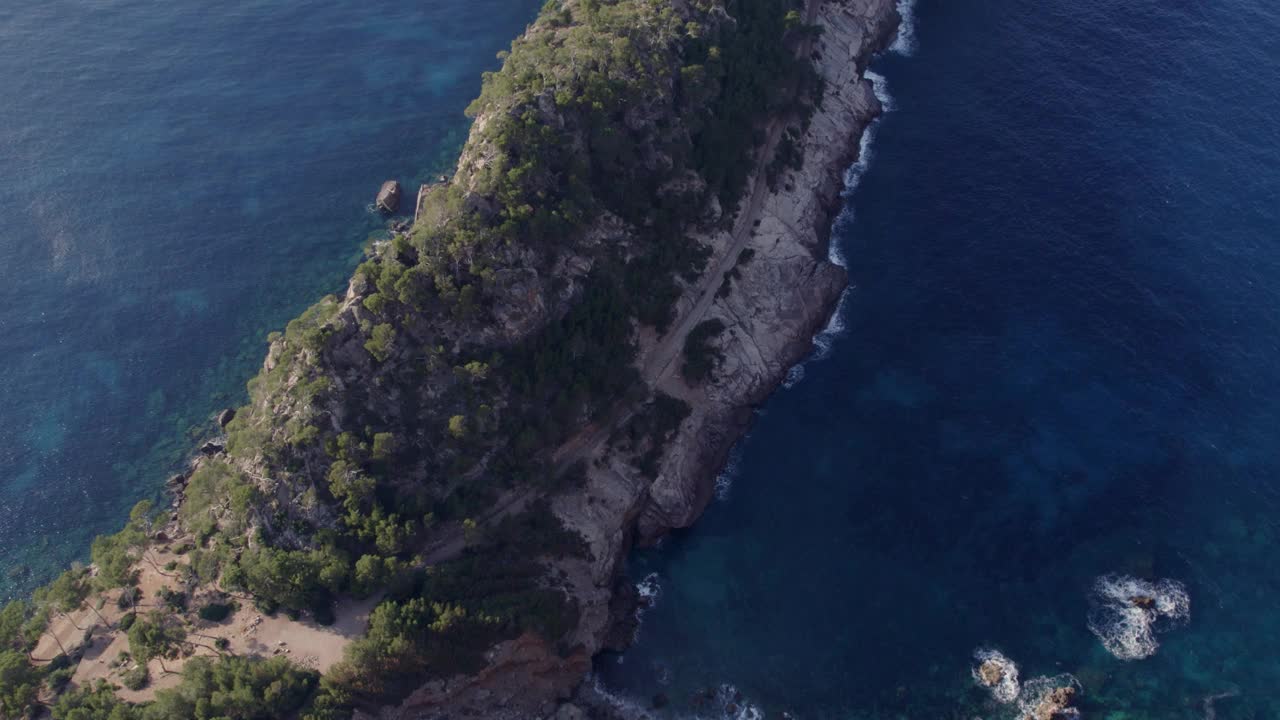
(783,291)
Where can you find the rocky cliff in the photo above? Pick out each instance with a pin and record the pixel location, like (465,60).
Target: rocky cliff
(771,286)
(553,364)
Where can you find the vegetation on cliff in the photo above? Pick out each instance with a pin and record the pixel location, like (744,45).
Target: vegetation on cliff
(463,353)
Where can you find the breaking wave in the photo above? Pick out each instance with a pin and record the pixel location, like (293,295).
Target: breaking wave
(1003,683)
(724,481)
(825,340)
(728,704)
(905,42)
(1036,691)
(648,591)
(1126,613)
(724,702)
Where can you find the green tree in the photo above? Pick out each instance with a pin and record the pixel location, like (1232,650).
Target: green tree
(19,684)
(380,340)
(94,703)
(155,637)
(234,688)
(70,590)
(13,620)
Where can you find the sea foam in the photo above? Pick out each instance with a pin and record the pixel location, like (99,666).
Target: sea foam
(905,43)
(1036,690)
(1126,613)
(1007,688)
(825,340)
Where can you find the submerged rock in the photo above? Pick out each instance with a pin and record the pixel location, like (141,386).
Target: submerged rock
(998,674)
(389,196)
(1055,705)
(1146,602)
(1048,698)
(990,674)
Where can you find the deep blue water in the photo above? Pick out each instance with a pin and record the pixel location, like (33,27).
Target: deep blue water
(1060,359)
(176,180)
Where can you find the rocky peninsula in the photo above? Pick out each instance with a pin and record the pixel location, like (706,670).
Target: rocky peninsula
(550,367)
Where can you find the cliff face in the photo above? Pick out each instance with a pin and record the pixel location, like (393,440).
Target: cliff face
(788,288)
(522,354)
(771,301)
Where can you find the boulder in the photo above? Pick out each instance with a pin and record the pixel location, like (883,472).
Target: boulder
(1146,602)
(389,197)
(990,673)
(1055,705)
(213,447)
(225,417)
(177,481)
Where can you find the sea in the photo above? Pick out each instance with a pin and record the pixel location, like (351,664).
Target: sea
(178,179)
(1052,389)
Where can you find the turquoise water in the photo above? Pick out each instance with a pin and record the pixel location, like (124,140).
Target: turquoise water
(177,180)
(1060,359)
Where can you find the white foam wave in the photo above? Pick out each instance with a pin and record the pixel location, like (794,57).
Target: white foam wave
(725,702)
(1127,613)
(648,591)
(825,340)
(1036,691)
(1005,687)
(724,481)
(905,43)
(624,707)
(730,705)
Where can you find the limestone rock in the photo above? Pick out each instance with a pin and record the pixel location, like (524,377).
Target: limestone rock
(389,197)
(1055,705)
(990,673)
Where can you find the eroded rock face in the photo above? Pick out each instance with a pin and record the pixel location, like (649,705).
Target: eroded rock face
(389,197)
(1055,705)
(784,292)
(525,679)
(788,288)
(990,673)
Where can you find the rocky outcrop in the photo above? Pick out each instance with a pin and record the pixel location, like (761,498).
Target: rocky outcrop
(389,197)
(545,677)
(1056,704)
(784,292)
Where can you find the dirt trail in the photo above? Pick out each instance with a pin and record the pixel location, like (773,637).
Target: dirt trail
(657,363)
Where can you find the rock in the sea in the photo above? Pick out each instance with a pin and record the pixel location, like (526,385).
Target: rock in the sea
(225,417)
(177,481)
(990,673)
(1055,705)
(389,196)
(213,447)
(1146,602)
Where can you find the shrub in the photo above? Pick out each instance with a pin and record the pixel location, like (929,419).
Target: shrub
(700,358)
(216,612)
(136,678)
(380,340)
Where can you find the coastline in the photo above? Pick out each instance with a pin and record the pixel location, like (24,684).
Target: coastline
(772,301)
(782,298)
